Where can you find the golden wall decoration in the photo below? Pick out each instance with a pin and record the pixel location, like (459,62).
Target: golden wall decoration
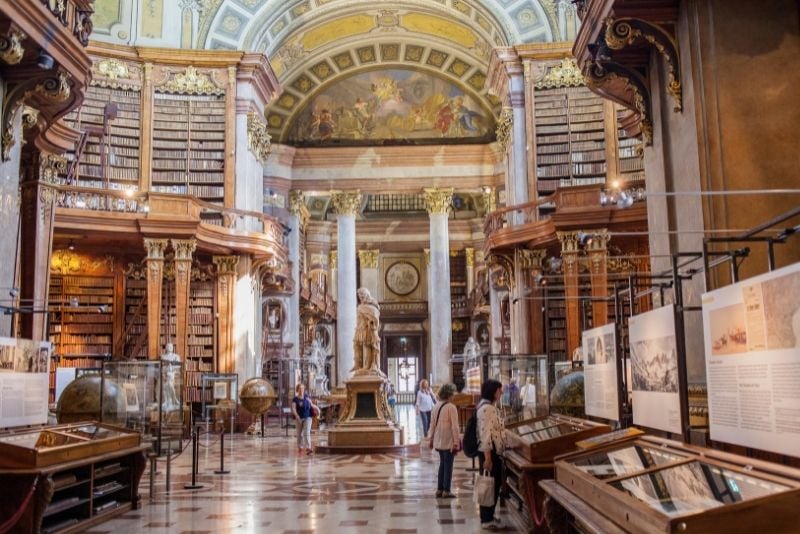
(565,74)
(258,140)
(11,50)
(190,82)
(438,200)
(505,125)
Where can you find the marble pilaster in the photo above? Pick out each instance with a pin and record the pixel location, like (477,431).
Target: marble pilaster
(184,248)
(155,275)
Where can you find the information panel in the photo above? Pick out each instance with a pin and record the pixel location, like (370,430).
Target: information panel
(654,370)
(24,367)
(600,372)
(752,346)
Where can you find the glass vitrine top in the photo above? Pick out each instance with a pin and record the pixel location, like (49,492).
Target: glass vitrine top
(92,432)
(694,487)
(624,461)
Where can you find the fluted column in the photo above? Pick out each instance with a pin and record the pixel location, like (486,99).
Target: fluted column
(470,256)
(598,265)
(346,205)
(184,248)
(569,256)
(155,275)
(226,281)
(297,222)
(368,262)
(438,203)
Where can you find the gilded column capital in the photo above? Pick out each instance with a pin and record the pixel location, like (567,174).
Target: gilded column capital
(50,166)
(346,202)
(369,258)
(184,248)
(225,264)
(505,125)
(155,248)
(527,259)
(599,241)
(427,253)
(569,242)
(259,142)
(470,255)
(334,257)
(438,200)
(297,205)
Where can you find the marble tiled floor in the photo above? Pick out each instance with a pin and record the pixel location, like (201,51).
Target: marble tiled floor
(273,489)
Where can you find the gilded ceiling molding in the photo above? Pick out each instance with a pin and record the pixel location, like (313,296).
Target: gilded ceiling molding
(155,248)
(624,32)
(505,126)
(346,202)
(565,74)
(190,82)
(369,258)
(11,50)
(438,200)
(258,140)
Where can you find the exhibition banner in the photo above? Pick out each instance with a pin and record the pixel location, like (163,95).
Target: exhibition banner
(752,346)
(654,370)
(24,381)
(601,391)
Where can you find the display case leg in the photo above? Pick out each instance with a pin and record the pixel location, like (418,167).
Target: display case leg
(222,470)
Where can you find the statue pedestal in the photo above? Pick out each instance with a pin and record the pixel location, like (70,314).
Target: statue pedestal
(366,423)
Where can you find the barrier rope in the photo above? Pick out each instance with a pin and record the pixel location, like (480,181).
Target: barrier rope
(14,519)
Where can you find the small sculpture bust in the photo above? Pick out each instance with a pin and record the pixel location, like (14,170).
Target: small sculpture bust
(366,342)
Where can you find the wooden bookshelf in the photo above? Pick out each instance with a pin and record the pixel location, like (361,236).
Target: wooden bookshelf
(120,145)
(81,322)
(135,342)
(556,319)
(189,147)
(202,339)
(629,152)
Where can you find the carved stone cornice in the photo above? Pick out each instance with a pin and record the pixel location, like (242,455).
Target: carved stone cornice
(155,248)
(225,264)
(438,200)
(347,203)
(626,31)
(11,50)
(297,205)
(190,82)
(469,253)
(565,74)
(334,258)
(505,125)
(369,258)
(258,140)
(184,248)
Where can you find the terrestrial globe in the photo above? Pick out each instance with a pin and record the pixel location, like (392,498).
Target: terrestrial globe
(566,397)
(80,401)
(257,395)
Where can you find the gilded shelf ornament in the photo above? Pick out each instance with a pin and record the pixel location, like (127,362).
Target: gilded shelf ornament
(565,74)
(346,202)
(112,69)
(55,89)
(11,50)
(225,264)
(369,258)
(155,248)
(50,167)
(438,200)
(258,139)
(191,82)
(334,258)
(505,125)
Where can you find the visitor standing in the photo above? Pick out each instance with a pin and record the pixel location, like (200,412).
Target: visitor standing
(491,444)
(303,411)
(425,401)
(445,438)
(391,397)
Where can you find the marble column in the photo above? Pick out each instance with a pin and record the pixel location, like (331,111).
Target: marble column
(598,274)
(333,272)
(569,257)
(470,257)
(346,205)
(438,203)
(247,320)
(155,275)
(495,314)
(368,261)
(226,282)
(297,222)
(184,248)
(519,141)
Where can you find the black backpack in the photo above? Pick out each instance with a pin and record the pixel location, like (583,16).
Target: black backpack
(471,435)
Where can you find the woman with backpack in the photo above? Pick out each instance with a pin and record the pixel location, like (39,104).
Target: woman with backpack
(492,442)
(445,438)
(425,401)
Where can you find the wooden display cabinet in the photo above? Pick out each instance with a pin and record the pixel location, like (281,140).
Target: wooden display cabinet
(66,478)
(654,485)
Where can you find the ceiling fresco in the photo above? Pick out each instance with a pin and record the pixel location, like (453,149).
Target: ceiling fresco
(314,45)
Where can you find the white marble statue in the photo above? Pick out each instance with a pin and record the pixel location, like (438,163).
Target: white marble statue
(170,401)
(366,342)
(317,357)
(471,349)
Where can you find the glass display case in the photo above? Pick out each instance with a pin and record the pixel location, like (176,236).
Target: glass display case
(543,438)
(153,402)
(528,397)
(220,396)
(55,444)
(649,484)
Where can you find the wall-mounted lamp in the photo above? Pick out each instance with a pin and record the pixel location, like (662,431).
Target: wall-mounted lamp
(71,245)
(45,61)
(623,198)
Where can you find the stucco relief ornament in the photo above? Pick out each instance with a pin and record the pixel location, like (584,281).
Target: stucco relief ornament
(191,82)
(504,127)
(112,69)
(11,50)
(55,89)
(565,74)
(258,139)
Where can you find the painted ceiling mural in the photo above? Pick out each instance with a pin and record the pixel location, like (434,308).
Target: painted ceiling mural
(316,45)
(393,106)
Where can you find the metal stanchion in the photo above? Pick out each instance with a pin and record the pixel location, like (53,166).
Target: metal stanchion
(263,426)
(169,462)
(222,470)
(195,456)
(152,474)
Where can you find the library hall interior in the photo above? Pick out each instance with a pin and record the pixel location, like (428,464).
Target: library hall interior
(399,267)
